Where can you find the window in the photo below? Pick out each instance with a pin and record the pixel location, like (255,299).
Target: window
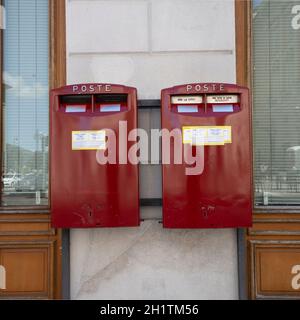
(25,103)
(276,102)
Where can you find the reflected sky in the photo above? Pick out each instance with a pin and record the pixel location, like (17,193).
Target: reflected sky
(26,56)
(256,3)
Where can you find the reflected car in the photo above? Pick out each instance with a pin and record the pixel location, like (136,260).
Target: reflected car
(11,179)
(293,158)
(32,182)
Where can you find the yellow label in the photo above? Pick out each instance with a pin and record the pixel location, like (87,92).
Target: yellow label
(89,140)
(206,135)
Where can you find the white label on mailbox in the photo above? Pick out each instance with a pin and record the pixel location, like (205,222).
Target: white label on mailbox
(222,98)
(88,140)
(194,135)
(206,135)
(186,99)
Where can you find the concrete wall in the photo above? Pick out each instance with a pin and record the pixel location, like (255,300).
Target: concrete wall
(152,44)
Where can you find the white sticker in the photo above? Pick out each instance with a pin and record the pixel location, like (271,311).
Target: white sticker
(224,98)
(206,135)
(186,99)
(88,140)
(194,136)
(227,134)
(38,197)
(215,136)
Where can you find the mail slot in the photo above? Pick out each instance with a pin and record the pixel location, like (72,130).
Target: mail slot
(217,118)
(86,193)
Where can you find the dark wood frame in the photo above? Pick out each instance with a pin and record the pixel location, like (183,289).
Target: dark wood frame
(270,225)
(57,75)
(243,41)
(35,220)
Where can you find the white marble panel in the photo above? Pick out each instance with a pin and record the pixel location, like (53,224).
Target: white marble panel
(152,72)
(150,262)
(107,26)
(186,25)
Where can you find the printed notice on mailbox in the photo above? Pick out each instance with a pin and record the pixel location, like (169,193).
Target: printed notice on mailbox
(206,135)
(89,140)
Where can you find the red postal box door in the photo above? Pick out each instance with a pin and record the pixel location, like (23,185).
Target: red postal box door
(217,118)
(85,192)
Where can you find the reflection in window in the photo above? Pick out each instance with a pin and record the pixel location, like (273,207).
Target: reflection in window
(25,103)
(276,97)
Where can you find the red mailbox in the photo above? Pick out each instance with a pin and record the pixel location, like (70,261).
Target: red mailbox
(217,118)
(84,192)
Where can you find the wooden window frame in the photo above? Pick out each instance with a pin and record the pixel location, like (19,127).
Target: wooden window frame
(57,78)
(270,225)
(244,76)
(243,36)
(22,226)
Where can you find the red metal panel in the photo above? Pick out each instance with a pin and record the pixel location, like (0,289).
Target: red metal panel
(221,196)
(84,193)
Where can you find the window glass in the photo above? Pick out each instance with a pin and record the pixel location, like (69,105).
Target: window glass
(276,102)
(25,103)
